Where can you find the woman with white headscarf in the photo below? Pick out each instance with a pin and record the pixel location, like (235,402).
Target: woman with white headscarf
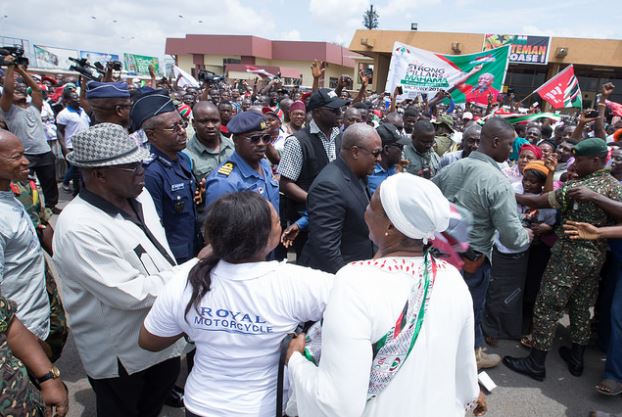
(397,334)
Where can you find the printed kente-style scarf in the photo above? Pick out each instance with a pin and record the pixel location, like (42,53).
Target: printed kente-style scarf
(391,350)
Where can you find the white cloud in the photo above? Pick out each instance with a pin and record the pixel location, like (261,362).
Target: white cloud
(335,12)
(402,7)
(292,35)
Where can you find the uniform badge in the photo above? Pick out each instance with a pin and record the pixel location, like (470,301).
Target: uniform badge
(226,169)
(177,187)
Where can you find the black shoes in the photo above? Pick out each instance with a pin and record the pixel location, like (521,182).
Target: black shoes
(531,366)
(175,397)
(573,357)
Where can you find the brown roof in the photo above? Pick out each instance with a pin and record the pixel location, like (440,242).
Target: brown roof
(244,45)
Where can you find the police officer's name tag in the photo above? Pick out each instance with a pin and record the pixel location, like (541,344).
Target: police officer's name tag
(177,187)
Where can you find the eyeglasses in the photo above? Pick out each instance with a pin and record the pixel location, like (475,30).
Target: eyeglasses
(176,127)
(265,138)
(375,153)
(135,168)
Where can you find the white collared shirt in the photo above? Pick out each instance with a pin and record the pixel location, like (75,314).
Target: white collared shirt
(110,275)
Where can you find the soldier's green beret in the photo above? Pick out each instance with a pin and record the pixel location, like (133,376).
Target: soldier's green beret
(590,147)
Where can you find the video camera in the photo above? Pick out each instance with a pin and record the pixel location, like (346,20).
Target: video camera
(15,51)
(95,71)
(209,77)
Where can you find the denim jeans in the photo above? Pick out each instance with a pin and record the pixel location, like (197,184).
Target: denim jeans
(613,366)
(478,287)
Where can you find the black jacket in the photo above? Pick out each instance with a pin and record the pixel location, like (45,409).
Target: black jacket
(337,231)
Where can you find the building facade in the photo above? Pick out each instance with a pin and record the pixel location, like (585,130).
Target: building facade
(596,61)
(233,55)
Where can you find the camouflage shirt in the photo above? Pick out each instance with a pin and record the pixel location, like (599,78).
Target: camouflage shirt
(18,397)
(26,193)
(601,182)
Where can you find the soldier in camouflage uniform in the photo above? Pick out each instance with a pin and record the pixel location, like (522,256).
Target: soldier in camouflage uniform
(572,274)
(18,396)
(20,348)
(26,192)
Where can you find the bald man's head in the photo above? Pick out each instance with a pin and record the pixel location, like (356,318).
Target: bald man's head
(13,163)
(361,149)
(497,138)
(350,116)
(206,123)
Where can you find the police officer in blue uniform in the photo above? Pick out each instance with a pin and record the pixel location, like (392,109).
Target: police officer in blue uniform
(247,169)
(168,172)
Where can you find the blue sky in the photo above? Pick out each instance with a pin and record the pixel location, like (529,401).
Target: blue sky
(141,26)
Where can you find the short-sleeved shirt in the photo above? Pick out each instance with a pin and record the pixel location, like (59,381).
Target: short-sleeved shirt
(237,327)
(204,159)
(75,121)
(26,124)
(237,175)
(22,266)
(380,174)
(291,163)
(420,161)
(18,397)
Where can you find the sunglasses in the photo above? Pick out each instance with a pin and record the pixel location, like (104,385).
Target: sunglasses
(375,153)
(255,139)
(176,127)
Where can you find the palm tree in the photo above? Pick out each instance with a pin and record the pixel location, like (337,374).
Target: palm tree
(370,18)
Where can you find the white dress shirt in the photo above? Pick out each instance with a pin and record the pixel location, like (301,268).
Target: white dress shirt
(111,272)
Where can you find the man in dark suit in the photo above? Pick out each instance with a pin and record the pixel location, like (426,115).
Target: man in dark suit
(337,201)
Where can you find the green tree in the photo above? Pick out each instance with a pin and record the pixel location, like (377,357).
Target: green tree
(370,18)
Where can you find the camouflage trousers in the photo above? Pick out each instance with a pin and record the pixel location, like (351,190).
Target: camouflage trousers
(570,281)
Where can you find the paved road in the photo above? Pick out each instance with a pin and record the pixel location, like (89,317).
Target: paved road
(560,395)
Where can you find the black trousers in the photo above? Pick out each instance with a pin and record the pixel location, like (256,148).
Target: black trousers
(44,166)
(138,395)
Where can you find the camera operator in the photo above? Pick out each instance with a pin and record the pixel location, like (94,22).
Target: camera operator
(24,120)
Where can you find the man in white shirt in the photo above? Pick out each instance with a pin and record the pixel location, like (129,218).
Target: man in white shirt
(70,121)
(113,258)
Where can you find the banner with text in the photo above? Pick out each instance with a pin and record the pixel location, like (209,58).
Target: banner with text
(469,78)
(139,64)
(54,58)
(524,49)
(102,57)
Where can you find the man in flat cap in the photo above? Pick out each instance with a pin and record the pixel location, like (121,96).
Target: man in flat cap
(247,169)
(308,151)
(110,102)
(111,251)
(572,275)
(168,172)
(393,143)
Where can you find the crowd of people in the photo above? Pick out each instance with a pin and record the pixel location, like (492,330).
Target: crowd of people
(309,252)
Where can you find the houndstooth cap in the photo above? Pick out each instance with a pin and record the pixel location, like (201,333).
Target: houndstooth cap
(103,145)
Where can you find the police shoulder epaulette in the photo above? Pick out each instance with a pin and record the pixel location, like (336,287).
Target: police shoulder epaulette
(226,168)
(147,161)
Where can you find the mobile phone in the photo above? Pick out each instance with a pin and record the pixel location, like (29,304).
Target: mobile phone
(400,90)
(592,113)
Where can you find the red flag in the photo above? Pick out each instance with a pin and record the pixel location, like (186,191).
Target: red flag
(616,108)
(562,90)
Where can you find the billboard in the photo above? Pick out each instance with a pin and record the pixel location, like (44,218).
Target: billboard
(468,78)
(139,64)
(54,58)
(102,57)
(524,49)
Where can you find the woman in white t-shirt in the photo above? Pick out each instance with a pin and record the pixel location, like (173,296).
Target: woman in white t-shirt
(237,308)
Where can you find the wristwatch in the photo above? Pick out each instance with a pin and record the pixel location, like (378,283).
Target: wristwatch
(53,374)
